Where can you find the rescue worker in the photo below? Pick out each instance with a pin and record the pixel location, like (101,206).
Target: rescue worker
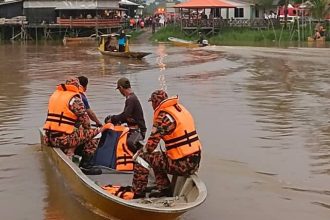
(172,123)
(83,81)
(132,115)
(67,124)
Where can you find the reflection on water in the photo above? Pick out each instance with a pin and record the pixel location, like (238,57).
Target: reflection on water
(60,202)
(268,110)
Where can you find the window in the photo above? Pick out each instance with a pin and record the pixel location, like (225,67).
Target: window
(256,14)
(239,12)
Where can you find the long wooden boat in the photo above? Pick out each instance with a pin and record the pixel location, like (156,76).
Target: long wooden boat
(126,54)
(78,40)
(181,42)
(311,39)
(129,54)
(189,192)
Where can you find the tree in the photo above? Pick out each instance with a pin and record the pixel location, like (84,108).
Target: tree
(320,8)
(265,4)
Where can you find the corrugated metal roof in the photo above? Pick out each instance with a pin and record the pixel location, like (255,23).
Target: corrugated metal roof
(205,4)
(62,5)
(10,2)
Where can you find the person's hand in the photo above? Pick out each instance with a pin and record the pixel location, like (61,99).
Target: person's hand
(107,119)
(98,124)
(107,126)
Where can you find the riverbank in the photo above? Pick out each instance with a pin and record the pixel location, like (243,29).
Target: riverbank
(271,37)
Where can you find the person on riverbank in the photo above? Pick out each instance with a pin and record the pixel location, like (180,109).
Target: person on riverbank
(173,124)
(83,80)
(153,24)
(132,115)
(67,124)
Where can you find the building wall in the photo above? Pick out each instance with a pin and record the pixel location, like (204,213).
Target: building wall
(39,11)
(11,10)
(40,15)
(231,12)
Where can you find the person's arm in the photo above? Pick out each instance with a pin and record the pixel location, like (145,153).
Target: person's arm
(93,117)
(76,105)
(89,111)
(163,125)
(126,114)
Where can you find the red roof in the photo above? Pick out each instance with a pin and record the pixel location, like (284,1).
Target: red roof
(205,4)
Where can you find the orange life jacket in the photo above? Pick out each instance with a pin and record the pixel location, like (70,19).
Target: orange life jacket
(60,118)
(124,192)
(124,157)
(183,141)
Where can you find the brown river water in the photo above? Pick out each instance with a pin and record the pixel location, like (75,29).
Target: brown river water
(262,115)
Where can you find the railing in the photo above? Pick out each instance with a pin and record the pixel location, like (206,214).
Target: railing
(220,23)
(93,22)
(19,20)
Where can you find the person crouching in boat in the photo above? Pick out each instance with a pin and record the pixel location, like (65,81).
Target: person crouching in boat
(317,34)
(173,124)
(67,124)
(202,41)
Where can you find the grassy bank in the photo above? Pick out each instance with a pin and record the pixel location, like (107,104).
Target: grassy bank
(238,36)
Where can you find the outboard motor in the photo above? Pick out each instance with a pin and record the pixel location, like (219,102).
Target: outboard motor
(205,43)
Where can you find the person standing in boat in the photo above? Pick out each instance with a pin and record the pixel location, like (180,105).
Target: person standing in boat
(132,115)
(122,41)
(67,124)
(172,123)
(83,81)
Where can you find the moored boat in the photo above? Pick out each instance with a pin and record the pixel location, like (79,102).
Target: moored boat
(79,40)
(311,39)
(188,192)
(115,53)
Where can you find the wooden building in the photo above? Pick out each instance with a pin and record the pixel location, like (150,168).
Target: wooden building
(11,9)
(55,18)
(210,16)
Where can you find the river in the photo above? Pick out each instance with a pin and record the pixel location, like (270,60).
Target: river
(262,115)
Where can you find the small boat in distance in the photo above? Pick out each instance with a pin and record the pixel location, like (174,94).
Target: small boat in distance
(183,43)
(79,40)
(188,192)
(115,53)
(311,39)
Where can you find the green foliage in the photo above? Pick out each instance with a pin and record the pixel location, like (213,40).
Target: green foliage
(266,4)
(135,33)
(169,31)
(320,8)
(240,36)
(247,36)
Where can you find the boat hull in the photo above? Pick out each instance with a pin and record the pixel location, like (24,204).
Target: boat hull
(136,55)
(321,39)
(182,43)
(107,205)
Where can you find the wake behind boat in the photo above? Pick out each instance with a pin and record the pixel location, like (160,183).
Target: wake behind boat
(114,52)
(188,192)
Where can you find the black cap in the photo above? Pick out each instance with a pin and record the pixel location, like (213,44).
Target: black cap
(123,82)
